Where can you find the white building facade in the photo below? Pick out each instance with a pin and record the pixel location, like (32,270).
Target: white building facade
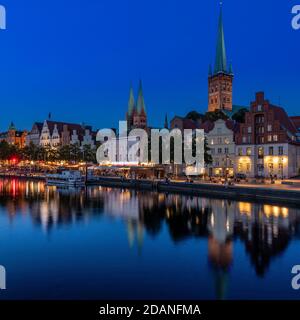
(220,138)
(276,160)
(55,134)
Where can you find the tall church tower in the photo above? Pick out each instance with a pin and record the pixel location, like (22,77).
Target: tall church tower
(139,114)
(221,78)
(131,109)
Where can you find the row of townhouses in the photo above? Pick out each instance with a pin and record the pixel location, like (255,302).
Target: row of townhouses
(51,134)
(55,134)
(266,144)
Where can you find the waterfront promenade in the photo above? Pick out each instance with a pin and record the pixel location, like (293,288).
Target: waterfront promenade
(278,193)
(285,192)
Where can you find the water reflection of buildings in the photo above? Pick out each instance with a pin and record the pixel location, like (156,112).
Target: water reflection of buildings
(48,207)
(125,205)
(265,230)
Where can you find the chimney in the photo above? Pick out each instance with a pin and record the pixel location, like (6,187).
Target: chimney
(260,97)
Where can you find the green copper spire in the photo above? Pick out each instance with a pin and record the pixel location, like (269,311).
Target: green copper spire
(140,102)
(221,63)
(230,68)
(12,126)
(166,125)
(131,102)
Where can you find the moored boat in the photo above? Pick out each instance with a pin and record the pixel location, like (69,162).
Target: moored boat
(66,178)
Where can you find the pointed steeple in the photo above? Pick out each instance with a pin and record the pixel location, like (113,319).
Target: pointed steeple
(141,102)
(221,60)
(131,102)
(166,124)
(230,68)
(11,126)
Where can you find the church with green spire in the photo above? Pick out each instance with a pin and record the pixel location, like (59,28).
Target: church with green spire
(136,115)
(220,78)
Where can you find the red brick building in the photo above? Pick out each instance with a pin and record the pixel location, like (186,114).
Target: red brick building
(14,136)
(220,80)
(267,144)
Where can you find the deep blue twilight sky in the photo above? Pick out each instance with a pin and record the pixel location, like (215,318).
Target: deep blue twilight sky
(76,58)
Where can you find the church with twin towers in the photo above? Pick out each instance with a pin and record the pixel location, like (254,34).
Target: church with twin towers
(136,115)
(220,83)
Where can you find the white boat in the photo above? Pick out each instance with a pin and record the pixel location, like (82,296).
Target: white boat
(66,178)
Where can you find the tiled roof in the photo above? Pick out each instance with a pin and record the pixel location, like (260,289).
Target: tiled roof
(207,126)
(296,121)
(281,115)
(60,126)
(39,125)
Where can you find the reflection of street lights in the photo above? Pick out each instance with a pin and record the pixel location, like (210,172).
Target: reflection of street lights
(282,162)
(226,167)
(31,164)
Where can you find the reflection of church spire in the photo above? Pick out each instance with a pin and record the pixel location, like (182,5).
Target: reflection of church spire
(130,233)
(220,258)
(140,235)
(220,247)
(135,230)
(221,283)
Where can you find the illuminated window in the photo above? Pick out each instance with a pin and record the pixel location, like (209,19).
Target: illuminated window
(269,138)
(271,166)
(260,152)
(275,137)
(249,151)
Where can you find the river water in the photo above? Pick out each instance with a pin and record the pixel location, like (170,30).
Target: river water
(106,243)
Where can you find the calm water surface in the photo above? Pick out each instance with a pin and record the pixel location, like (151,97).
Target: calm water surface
(105,243)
